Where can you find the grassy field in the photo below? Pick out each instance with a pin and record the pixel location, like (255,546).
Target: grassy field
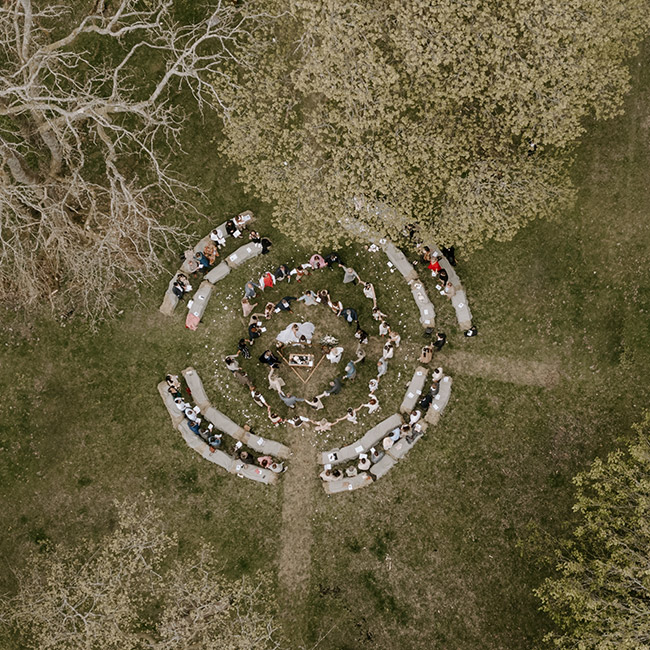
(444,551)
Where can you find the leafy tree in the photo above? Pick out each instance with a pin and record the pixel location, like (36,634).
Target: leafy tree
(397,112)
(87,114)
(600,598)
(122,593)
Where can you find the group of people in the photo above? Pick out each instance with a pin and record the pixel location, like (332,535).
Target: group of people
(295,335)
(214,439)
(409,430)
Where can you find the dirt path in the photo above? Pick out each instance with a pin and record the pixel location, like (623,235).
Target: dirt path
(514,371)
(300,482)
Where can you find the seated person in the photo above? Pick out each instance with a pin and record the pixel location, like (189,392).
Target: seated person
(205,434)
(202,261)
(181,404)
(265,461)
(181,286)
(438,374)
(211,252)
(173,380)
(174,392)
(270,359)
(374,455)
(217,237)
(195,426)
(215,440)
(364,463)
(232,229)
(351,471)
(265,242)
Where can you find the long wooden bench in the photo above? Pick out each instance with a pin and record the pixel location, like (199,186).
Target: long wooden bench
(195,385)
(399,261)
(372,438)
(347,484)
(381,467)
(463,314)
(439,401)
(414,391)
(219,272)
(243,254)
(223,423)
(199,303)
(427,311)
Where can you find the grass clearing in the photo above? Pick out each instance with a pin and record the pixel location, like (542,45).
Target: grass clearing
(443,551)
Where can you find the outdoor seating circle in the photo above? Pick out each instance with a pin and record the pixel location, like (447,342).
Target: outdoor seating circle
(379,449)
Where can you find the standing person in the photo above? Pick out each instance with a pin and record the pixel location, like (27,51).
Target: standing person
(369,292)
(426,354)
(450,254)
(350,275)
(382,367)
(247,307)
(350,315)
(441,339)
(335,386)
(384,328)
(270,359)
(333,259)
(231,363)
(275,381)
(250,289)
(379,315)
(243,349)
(350,371)
(373,385)
(309,298)
(315,402)
(290,400)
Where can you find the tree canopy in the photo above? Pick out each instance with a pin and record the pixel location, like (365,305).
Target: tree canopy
(125,592)
(457,116)
(600,597)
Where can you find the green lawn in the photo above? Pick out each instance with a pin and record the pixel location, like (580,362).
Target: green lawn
(445,550)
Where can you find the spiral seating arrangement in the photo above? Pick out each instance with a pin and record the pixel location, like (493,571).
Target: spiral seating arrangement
(350,479)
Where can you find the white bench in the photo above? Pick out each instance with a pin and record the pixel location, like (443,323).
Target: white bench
(243,254)
(347,484)
(427,311)
(223,423)
(463,314)
(255,473)
(200,300)
(439,401)
(265,446)
(414,390)
(219,272)
(195,385)
(399,261)
(382,467)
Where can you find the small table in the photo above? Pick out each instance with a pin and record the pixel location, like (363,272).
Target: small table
(301,360)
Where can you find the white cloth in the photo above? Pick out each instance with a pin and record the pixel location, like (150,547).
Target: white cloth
(287,336)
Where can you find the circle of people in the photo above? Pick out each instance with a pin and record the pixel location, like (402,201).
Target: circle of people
(300,334)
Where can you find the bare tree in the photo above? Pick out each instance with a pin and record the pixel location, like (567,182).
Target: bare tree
(83,176)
